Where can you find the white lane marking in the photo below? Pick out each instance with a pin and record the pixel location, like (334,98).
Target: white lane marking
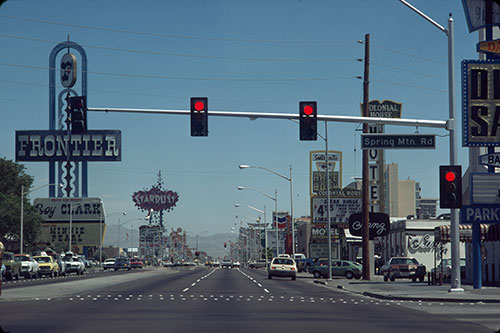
(184,290)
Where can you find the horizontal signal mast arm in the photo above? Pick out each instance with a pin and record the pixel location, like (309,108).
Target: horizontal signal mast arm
(256,115)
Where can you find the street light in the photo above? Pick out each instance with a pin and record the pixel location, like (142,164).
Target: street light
(265,225)
(198,235)
(454,221)
(275,199)
(289,179)
(21,236)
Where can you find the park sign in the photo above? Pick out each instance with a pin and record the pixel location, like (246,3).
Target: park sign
(93,145)
(398,141)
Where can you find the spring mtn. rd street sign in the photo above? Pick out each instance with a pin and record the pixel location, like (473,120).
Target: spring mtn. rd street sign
(398,141)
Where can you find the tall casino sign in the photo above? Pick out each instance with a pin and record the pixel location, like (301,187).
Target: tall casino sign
(68,145)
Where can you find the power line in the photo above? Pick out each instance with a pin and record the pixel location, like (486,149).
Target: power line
(184,55)
(155,34)
(167,77)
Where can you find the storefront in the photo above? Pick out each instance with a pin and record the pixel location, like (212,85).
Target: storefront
(490,249)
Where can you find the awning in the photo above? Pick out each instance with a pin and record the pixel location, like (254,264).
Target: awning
(488,232)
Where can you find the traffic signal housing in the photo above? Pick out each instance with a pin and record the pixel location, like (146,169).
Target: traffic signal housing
(225,244)
(78,114)
(450,186)
(308,121)
(199,116)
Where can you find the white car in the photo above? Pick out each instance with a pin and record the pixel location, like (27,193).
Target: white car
(282,267)
(74,264)
(109,263)
(29,266)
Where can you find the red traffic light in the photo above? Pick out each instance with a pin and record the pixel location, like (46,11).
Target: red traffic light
(450,176)
(199,106)
(308,110)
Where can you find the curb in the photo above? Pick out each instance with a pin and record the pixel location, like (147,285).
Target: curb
(429,299)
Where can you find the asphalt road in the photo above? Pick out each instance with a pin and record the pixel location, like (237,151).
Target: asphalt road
(206,300)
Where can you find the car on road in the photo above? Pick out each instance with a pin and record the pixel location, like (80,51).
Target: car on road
(58,259)
(236,264)
(444,268)
(74,264)
(47,266)
(29,266)
(347,268)
(12,266)
(122,263)
(109,263)
(261,263)
(282,267)
(136,263)
(403,268)
(226,264)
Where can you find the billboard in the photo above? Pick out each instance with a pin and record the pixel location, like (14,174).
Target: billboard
(88,210)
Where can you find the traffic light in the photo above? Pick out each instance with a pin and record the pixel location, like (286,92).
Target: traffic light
(225,244)
(450,186)
(199,116)
(308,121)
(78,114)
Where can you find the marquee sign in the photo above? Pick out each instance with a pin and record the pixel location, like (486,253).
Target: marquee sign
(58,209)
(94,145)
(481,103)
(155,199)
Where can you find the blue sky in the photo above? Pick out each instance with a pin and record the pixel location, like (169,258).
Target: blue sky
(247,56)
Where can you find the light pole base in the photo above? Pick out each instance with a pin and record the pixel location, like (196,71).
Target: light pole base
(456,290)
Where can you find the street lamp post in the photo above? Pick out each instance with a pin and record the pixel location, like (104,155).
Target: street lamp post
(289,179)
(265,227)
(21,236)
(454,221)
(275,199)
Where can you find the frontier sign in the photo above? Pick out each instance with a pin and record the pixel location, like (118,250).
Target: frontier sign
(94,145)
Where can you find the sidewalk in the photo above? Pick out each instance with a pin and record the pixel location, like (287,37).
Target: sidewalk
(407,290)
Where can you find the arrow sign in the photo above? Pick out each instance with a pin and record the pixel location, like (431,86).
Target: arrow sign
(490,159)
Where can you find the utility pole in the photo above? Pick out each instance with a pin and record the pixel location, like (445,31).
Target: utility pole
(366,199)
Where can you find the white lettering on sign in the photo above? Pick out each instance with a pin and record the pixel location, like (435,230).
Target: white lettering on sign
(424,243)
(378,227)
(340,209)
(98,145)
(482,214)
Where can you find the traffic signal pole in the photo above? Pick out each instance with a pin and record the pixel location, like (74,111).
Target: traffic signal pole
(365,210)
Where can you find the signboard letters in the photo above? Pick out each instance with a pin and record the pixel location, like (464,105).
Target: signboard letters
(398,141)
(94,145)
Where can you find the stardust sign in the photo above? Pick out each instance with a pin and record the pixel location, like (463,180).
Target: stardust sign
(155,199)
(94,145)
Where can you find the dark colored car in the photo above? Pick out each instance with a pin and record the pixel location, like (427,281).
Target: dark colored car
(12,267)
(136,263)
(347,268)
(403,267)
(122,263)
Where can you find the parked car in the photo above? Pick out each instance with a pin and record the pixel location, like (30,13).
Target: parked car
(47,266)
(303,262)
(58,259)
(109,263)
(122,263)
(403,268)
(282,267)
(29,266)
(261,263)
(136,263)
(73,264)
(444,268)
(12,266)
(347,268)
